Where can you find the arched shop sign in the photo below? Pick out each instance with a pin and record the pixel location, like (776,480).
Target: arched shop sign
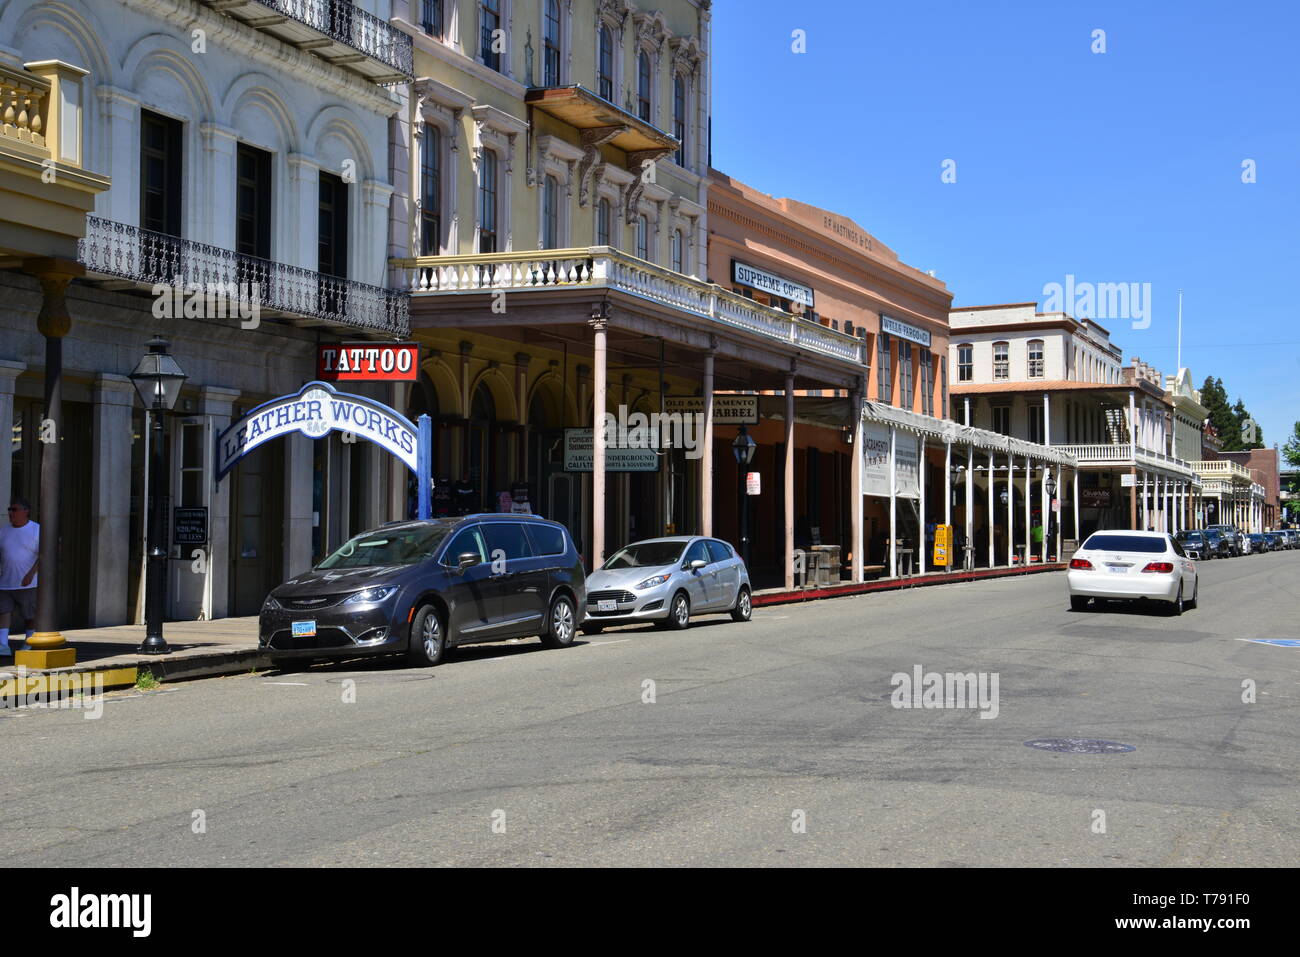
(318,409)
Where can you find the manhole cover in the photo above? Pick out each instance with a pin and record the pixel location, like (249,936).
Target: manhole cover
(375,678)
(1079,746)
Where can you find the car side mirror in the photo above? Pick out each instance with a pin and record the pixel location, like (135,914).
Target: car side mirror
(698,564)
(466,560)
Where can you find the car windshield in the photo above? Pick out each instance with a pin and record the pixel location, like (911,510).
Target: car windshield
(645,555)
(397,546)
(1189,536)
(1125,543)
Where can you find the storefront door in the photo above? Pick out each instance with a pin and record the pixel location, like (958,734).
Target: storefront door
(257,532)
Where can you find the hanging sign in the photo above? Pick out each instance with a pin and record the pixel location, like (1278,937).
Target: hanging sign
(753,483)
(579,453)
(727,409)
(315,411)
(368,361)
(875,462)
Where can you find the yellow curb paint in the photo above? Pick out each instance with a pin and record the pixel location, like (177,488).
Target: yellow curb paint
(13,686)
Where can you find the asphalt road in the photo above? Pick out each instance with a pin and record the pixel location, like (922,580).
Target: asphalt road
(513,755)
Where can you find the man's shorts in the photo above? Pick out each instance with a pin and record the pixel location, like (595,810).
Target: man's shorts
(22,599)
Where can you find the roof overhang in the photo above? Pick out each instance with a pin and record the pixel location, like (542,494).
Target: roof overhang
(584,110)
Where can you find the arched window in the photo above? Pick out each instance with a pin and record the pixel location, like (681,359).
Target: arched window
(551,44)
(679,116)
(431,191)
(1001,360)
(605,63)
(965,362)
(677,250)
(643,87)
(1035,358)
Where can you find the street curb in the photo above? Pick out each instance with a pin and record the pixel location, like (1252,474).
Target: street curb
(118,675)
(782,597)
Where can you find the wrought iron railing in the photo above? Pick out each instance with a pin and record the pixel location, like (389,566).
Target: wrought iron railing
(603,266)
(116,249)
(347,23)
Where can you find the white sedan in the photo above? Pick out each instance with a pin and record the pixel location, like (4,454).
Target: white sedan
(1132,566)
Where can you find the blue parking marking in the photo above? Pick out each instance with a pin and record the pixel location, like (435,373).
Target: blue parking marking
(1280,642)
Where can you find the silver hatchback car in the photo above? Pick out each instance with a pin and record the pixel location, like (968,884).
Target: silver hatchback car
(666,580)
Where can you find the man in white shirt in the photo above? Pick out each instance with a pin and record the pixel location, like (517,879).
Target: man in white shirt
(19,550)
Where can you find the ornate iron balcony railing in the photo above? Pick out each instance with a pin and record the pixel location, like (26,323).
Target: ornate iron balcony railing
(140,255)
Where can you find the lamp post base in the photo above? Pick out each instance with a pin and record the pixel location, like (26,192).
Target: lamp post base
(46,649)
(154,645)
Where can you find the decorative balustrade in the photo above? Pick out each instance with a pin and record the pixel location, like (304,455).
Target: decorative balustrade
(605,267)
(24,103)
(1221,468)
(347,23)
(149,258)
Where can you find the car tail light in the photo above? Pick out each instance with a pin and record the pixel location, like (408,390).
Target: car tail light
(1082,563)
(1159,567)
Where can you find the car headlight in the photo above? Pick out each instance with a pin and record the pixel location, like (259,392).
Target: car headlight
(271,604)
(371,596)
(653,580)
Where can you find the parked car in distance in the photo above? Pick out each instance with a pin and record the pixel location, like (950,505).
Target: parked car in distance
(1276,540)
(666,580)
(1218,545)
(1194,543)
(1259,542)
(1292,537)
(1132,566)
(421,587)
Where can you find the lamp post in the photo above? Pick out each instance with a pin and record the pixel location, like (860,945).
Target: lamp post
(743,446)
(1050,524)
(158,379)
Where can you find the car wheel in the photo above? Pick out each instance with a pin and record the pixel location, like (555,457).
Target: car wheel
(1176,606)
(1078,603)
(679,612)
(1196,594)
(592,629)
(561,627)
(427,643)
(744,608)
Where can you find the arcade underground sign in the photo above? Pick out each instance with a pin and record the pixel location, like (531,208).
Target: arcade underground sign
(368,361)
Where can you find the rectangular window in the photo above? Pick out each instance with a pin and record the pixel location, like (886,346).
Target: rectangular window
(1002,419)
(489,35)
(927,382)
(1001,360)
(253,202)
(603,216)
(677,250)
(643,86)
(431,190)
(551,213)
(1036,424)
(551,45)
(679,117)
(332,227)
(643,237)
(965,363)
(605,63)
(431,17)
(943,368)
(487,203)
(160,174)
(192,446)
(1036,359)
(904,374)
(884,373)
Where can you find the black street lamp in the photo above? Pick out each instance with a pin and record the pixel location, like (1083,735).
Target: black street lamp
(743,446)
(158,380)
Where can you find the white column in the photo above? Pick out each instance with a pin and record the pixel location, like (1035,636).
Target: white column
(598,446)
(855,489)
(1011,509)
(299,455)
(789,481)
(991,515)
(1029,540)
(1077,529)
(1045,511)
(1145,521)
(217,404)
(967,410)
(110,499)
(970,506)
(1059,513)
(217,171)
(706,450)
(920,480)
(302,201)
(1132,427)
(1047,422)
(893,502)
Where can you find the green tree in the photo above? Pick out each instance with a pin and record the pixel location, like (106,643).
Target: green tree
(1292,448)
(1246,434)
(1215,399)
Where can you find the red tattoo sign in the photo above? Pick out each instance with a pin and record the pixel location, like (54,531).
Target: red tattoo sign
(368,361)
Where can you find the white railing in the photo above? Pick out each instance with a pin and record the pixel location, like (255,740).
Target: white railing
(604,267)
(1221,468)
(1098,453)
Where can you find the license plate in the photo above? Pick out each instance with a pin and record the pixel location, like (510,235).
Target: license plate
(606,604)
(304,629)
(1117,569)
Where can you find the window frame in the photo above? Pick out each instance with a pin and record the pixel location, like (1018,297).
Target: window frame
(491,9)
(489,161)
(885,371)
(552,46)
(550,212)
(645,87)
(905,382)
(1032,362)
(1001,366)
(431,147)
(965,362)
(605,50)
(681,97)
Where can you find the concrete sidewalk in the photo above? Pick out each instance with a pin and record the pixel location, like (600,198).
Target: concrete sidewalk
(227,646)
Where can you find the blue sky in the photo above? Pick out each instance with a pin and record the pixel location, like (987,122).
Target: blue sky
(1122,166)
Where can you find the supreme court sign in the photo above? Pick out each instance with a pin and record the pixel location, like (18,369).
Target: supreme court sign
(368,361)
(318,409)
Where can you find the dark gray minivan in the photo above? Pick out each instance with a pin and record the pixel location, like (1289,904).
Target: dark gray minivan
(420,587)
